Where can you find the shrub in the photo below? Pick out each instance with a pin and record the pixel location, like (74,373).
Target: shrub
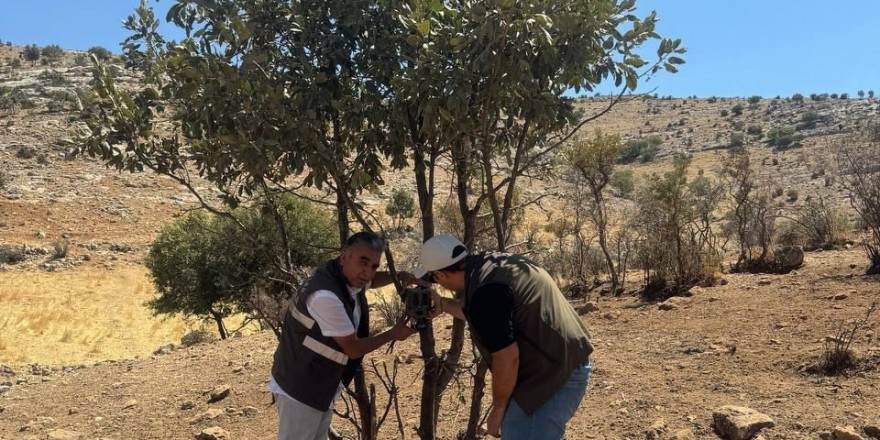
(838,357)
(737,140)
(754,100)
(31,53)
(401,206)
(101,53)
(53,78)
(792,195)
(844,96)
(858,160)
(26,152)
(644,148)
(207,267)
(391,310)
(623,183)
(678,248)
(52,53)
(724,113)
(810,119)
(820,224)
(871,94)
(11,254)
(81,60)
(755,130)
(797,97)
(737,109)
(195,337)
(4,179)
(782,137)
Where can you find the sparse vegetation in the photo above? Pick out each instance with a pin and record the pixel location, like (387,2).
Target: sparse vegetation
(101,53)
(838,357)
(26,152)
(402,206)
(737,110)
(858,160)
(640,148)
(31,53)
(52,53)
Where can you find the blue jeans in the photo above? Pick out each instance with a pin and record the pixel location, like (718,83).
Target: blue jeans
(548,422)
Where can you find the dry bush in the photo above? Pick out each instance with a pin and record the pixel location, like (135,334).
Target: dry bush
(859,164)
(838,357)
(390,309)
(11,254)
(199,336)
(60,249)
(678,248)
(815,225)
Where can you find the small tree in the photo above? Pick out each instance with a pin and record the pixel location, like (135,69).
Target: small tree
(211,267)
(593,162)
(31,53)
(861,94)
(871,94)
(798,98)
(101,53)
(622,181)
(52,53)
(678,248)
(401,206)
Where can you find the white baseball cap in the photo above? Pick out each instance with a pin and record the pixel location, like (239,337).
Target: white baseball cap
(439,252)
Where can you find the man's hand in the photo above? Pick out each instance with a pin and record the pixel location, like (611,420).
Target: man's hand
(437,302)
(493,423)
(408,279)
(401,331)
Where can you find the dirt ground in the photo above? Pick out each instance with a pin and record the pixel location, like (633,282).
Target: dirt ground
(744,343)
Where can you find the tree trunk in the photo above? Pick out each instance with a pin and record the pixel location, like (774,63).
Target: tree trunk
(221,328)
(366,402)
(342,217)
(477,393)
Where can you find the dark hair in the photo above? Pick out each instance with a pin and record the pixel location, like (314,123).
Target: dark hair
(370,239)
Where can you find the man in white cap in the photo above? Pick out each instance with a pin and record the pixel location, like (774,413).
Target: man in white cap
(537,347)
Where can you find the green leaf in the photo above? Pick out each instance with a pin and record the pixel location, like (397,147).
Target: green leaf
(670,68)
(675,60)
(424,27)
(414,40)
(437,5)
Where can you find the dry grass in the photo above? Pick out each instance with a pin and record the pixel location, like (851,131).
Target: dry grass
(71,317)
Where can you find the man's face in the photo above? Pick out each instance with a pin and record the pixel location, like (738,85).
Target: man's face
(359,264)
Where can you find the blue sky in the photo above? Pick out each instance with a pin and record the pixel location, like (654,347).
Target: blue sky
(735,47)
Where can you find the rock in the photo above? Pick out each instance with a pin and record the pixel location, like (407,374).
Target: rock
(667,305)
(611,316)
(73,411)
(39,424)
(587,308)
(872,431)
(210,414)
(697,290)
(655,432)
(250,411)
(789,258)
(846,433)
(219,393)
(187,405)
(165,349)
(4,389)
(129,404)
(764,282)
(825,435)
(683,434)
(840,297)
(739,423)
(213,433)
(63,434)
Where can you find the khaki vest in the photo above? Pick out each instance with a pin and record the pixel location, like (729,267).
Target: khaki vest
(552,339)
(309,366)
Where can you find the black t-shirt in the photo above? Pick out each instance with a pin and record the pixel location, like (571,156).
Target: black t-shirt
(490,312)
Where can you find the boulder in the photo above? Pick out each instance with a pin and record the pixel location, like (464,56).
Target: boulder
(213,433)
(846,433)
(739,423)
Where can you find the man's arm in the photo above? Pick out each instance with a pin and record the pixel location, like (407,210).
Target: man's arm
(355,347)
(505,366)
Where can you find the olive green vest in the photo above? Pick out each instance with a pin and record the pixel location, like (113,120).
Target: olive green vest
(552,339)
